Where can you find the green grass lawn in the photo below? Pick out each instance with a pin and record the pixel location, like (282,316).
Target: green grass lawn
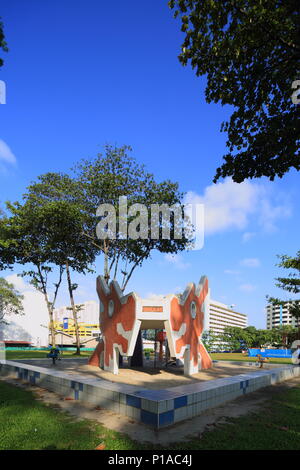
(244,357)
(15,355)
(275,427)
(23,354)
(26,423)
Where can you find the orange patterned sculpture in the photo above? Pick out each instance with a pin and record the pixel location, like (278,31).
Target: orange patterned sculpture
(119,326)
(181,316)
(187,324)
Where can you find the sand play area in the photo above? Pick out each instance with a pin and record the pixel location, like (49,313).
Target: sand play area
(148,377)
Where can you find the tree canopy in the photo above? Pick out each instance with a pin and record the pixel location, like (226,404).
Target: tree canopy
(10,300)
(3,44)
(54,226)
(291,283)
(250,52)
(26,239)
(249,337)
(105,179)
(55,198)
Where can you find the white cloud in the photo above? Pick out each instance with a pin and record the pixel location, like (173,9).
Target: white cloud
(177,261)
(247,287)
(19,283)
(230,205)
(6,154)
(270,213)
(247,236)
(231,271)
(250,262)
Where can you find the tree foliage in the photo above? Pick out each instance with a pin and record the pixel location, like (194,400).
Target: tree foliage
(10,300)
(291,283)
(45,230)
(284,335)
(24,240)
(210,340)
(6,256)
(235,338)
(54,196)
(54,226)
(3,44)
(250,52)
(232,338)
(103,181)
(245,338)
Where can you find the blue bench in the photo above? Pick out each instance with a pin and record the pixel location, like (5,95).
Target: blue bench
(54,355)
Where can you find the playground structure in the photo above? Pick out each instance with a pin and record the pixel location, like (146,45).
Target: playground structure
(122,317)
(161,337)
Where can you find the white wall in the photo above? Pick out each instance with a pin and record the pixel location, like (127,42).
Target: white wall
(27,327)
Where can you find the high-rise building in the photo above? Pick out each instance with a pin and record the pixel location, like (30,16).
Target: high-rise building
(221,315)
(278,315)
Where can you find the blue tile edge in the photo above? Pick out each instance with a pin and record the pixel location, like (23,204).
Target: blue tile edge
(180,401)
(166,419)
(241,383)
(132,400)
(149,418)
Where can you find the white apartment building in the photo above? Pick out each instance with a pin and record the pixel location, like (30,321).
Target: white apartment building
(278,315)
(221,315)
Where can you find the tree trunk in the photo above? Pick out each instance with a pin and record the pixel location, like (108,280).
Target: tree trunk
(106,273)
(50,312)
(73,308)
(50,306)
(53,340)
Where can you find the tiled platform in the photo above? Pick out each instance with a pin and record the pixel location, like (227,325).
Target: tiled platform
(156,408)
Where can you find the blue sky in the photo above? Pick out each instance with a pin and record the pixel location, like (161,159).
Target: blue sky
(80,74)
